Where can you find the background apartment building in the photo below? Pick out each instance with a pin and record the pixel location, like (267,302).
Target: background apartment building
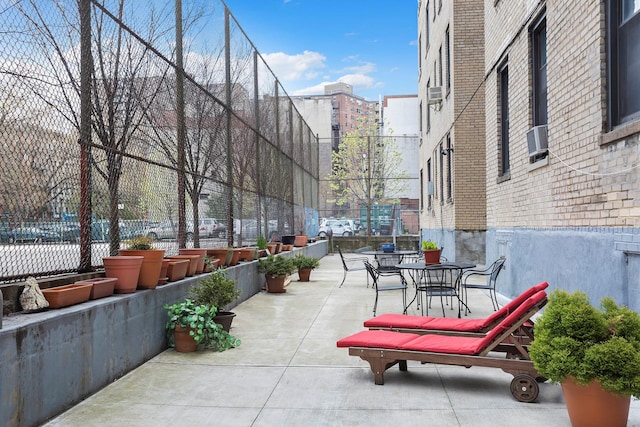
(562,144)
(452,151)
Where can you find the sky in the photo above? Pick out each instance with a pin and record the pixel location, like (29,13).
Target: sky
(371,45)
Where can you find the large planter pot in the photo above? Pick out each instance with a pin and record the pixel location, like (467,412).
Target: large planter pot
(177,269)
(201,252)
(304,274)
(288,240)
(286,247)
(591,406)
(183,341)
(100,286)
(151,266)
(247,254)
(272,247)
(235,257)
(301,240)
(275,284)
(124,268)
(164,276)
(224,319)
(223,254)
(431,256)
(63,296)
(193,262)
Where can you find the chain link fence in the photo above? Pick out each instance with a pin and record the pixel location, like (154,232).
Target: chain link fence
(126,118)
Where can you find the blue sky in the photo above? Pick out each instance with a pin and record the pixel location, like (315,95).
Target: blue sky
(371,45)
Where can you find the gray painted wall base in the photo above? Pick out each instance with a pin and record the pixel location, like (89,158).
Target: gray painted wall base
(54,359)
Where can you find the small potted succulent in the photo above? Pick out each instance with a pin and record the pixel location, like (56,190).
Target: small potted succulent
(594,354)
(217,290)
(191,325)
(431,252)
(305,264)
(276,269)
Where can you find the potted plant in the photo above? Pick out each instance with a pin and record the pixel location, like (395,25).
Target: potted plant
(217,290)
(276,269)
(595,353)
(305,264)
(151,263)
(191,325)
(431,252)
(261,243)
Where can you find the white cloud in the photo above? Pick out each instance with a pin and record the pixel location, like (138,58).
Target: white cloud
(302,66)
(360,81)
(362,68)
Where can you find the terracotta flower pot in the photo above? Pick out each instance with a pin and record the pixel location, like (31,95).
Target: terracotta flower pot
(183,341)
(220,253)
(591,406)
(286,247)
(151,266)
(202,252)
(247,254)
(304,274)
(100,286)
(124,268)
(63,296)
(431,256)
(235,257)
(301,240)
(164,278)
(193,262)
(275,284)
(272,247)
(177,269)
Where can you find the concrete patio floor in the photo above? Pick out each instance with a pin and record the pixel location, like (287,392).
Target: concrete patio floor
(289,372)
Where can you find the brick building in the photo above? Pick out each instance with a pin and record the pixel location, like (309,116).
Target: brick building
(561,104)
(452,150)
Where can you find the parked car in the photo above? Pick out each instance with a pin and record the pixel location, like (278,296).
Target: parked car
(221,231)
(30,234)
(168,230)
(208,227)
(249,229)
(337,227)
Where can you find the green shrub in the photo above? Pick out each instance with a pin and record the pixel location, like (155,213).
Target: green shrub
(215,290)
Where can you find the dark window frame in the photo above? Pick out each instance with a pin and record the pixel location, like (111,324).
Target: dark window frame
(447,42)
(621,80)
(538,35)
(503,111)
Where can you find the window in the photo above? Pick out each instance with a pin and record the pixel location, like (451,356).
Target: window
(420,121)
(426,30)
(420,54)
(448,57)
(428,112)
(441,173)
(503,76)
(539,70)
(421,190)
(448,153)
(440,66)
(623,61)
(429,186)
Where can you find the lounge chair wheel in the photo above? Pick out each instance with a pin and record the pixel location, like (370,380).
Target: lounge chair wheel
(524,388)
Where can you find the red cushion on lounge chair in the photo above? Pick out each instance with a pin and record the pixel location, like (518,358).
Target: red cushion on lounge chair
(515,303)
(376,339)
(445,344)
(391,320)
(454,324)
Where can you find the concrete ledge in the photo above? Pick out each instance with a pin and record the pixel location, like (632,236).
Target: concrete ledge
(53,359)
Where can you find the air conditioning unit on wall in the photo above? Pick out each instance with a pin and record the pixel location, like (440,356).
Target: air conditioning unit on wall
(434,95)
(537,140)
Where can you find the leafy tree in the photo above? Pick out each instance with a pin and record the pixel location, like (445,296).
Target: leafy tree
(366,168)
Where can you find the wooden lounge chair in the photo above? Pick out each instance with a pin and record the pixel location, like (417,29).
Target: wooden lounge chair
(383,349)
(454,326)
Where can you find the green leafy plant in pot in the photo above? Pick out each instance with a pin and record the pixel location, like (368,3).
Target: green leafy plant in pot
(217,290)
(276,269)
(595,353)
(431,252)
(191,325)
(305,264)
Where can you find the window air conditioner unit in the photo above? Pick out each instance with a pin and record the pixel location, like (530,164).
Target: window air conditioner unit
(537,140)
(434,95)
